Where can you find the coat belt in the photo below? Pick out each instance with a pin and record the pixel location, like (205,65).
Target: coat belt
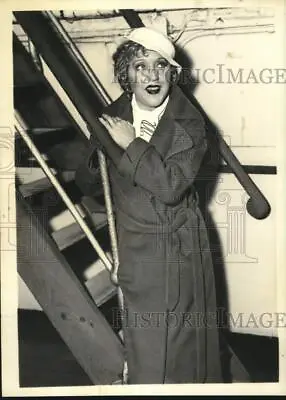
(133,225)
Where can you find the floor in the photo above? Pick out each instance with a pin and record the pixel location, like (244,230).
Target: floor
(45,360)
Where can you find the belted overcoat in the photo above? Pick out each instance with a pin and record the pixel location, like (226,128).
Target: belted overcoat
(166,271)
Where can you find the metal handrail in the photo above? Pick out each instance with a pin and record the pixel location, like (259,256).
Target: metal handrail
(76,214)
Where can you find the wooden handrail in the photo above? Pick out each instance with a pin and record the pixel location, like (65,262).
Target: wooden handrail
(257,205)
(88,97)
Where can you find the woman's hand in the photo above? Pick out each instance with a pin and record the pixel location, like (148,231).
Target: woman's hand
(121,131)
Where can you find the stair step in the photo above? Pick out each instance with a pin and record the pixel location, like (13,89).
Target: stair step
(100,287)
(72,233)
(42,184)
(67,236)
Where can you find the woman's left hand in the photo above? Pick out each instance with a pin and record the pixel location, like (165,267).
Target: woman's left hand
(121,131)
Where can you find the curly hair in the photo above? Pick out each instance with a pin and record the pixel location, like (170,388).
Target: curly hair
(122,58)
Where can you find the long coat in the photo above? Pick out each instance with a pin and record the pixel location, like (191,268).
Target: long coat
(165,271)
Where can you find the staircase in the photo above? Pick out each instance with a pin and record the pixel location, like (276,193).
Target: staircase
(69,289)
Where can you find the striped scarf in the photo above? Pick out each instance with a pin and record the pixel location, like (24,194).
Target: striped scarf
(145,122)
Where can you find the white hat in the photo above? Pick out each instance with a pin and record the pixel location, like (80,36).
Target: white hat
(157,41)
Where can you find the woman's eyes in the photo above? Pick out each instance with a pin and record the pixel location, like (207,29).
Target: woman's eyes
(160,64)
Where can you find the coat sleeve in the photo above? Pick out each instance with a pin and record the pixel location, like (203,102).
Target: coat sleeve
(166,179)
(87,176)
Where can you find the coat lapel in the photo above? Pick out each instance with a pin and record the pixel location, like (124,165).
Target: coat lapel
(173,133)
(163,135)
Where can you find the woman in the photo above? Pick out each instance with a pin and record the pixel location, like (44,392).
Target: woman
(155,142)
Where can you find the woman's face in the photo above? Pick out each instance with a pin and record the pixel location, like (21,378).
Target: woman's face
(149,77)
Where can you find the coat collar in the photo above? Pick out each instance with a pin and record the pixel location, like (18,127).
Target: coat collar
(179,110)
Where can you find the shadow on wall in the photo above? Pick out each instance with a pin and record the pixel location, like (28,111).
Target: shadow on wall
(205,185)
